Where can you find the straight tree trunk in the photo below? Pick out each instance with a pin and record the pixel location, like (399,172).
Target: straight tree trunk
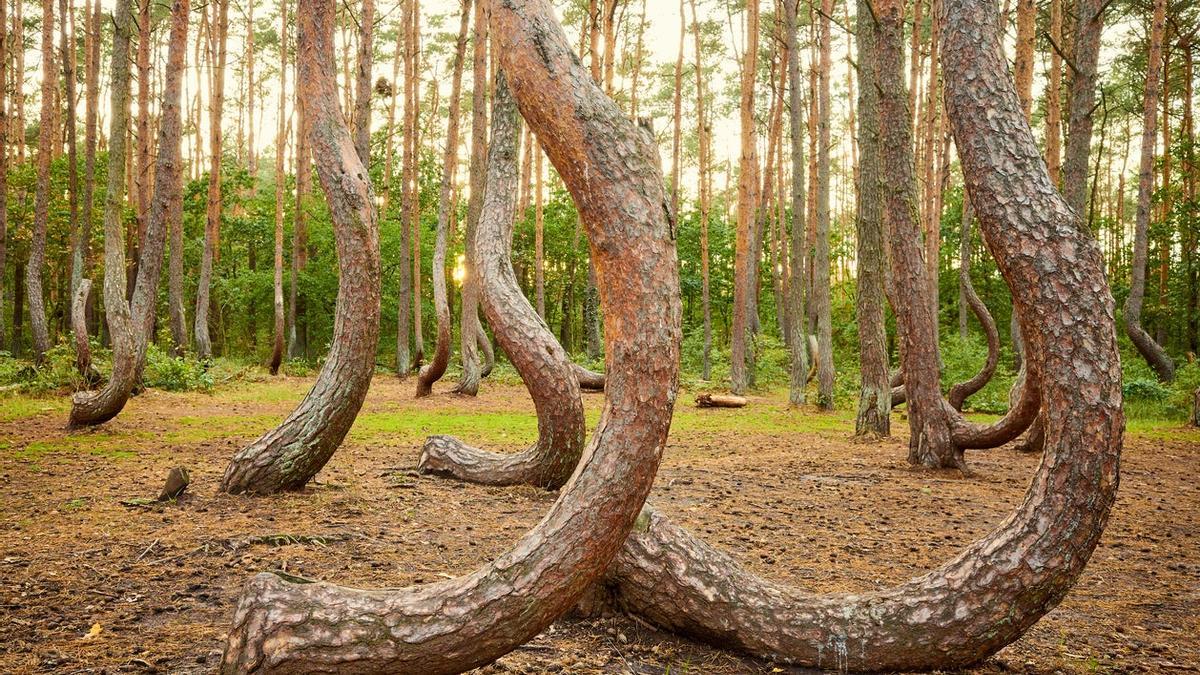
(744,266)
(610,167)
(539,234)
(280,185)
(412,204)
(703,134)
(1085,53)
(470,327)
(212,217)
(298,337)
(875,396)
(1150,350)
(821,271)
(677,127)
(543,364)
(288,456)
(797,316)
(3,161)
(362,95)
(1023,66)
(144,173)
(41,213)
(83,356)
(134,322)
(1054,95)
(441,301)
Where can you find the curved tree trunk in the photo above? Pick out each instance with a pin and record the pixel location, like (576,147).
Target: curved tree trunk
(41,211)
(1150,350)
(288,456)
(610,168)
(543,364)
(588,380)
(961,391)
(91,408)
(96,407)
(991,593)
(83,349)
(436,367)
(875,394)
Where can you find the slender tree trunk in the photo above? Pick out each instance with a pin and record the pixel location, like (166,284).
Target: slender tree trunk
(539,234)
(412,205)
(1150,350)
(441,302)
(4,143)
(1085,53)
(821,271)
(517,596)
(745,267)
(288,456)
(41,214)
(362,96)
(470,327)
(298,338)
(280,185)
(212,227)
(677,127)
(875,397)
(541,361)
(144,173)
(83,357)
(703,134)
(1054,95)
(136,320)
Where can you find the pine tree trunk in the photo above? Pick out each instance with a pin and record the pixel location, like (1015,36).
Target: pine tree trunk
(441,356)
(821,271)
(4,142)
(703,141)
(412,204)
(543,364)
(1054,95)
(298,335)
(144,173)
(539,225)
(83,358)
(744,266)
(41,213)
(875,396)
(280,187)
(1150,350)
(1085,53)
(501,605)
(137,322)
(212,227)
(362,95)
(288,456)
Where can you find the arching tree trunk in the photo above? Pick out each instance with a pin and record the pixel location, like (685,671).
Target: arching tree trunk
(1150,350)
(543,364)
(41,210)
(610,167)
(961,391)
(212,217)
(280,185)
(875,395)
(288,456)
(129,353)
(989,594)
(441,302)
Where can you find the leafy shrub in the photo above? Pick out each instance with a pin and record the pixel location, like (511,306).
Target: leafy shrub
(173,373)
(1144,389)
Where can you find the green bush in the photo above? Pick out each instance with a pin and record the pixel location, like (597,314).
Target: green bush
(173,373)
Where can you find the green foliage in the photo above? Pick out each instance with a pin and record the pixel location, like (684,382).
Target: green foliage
(57,374)
(962,358)
(173,373)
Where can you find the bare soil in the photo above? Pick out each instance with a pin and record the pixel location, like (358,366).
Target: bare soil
(92,579)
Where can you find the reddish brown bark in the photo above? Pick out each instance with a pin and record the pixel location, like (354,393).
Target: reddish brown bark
(441,302)
(821,297)
(543,364)
(1054,95)
(1085,53)
(41,210)
(992,592)
(288,456)
(280,188)
(3,161)
(610,167)
(129,353)
(745,267)
(212,213)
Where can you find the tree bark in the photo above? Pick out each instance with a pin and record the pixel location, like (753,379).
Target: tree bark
(67,50)
(1084,55)
(362,82)
(287,457)
(441,354)
(280,185)
(1054,95)
(297,321)
(212,217)
(1150,350)
(175,306)
(41,210)
(875,396)
(469,326)
(543,364)
(411,204)
(745,268)
(610,167)
(129,353)
(821,272)
(83,350)
(4,142)
(703,134)
(988,595)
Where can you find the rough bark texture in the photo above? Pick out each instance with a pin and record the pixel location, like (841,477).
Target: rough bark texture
(588,380)
(875,394)
(961,391)
(1150,350)
(745,267)
(611,169)
(822,299)
(67,51)
(1054,95)
(41,210)
(436,367)
(543,364)
(995,589)
(212,213)
(796,313)
(1085,52)
(91,408)
(83,350)
(287,457)
(88,405)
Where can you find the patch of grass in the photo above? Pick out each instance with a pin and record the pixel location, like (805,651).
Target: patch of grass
(13,408)
(112,446)
(414,426)
(196,429)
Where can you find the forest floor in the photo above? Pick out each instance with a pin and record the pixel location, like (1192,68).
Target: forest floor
(91,584)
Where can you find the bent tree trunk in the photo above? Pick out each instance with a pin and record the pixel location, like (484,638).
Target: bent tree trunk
(436,367)
(1150,350)
(83,348)
(91,408)
(588,380)
(998,587)
(960,392)
(95,407)
(288,456)
(611,170)
(543,364)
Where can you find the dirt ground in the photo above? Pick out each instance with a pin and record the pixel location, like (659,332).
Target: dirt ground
(91,584)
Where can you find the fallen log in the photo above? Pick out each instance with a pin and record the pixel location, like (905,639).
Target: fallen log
(720,401)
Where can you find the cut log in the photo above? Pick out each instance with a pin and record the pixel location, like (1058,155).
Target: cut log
(720,401)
